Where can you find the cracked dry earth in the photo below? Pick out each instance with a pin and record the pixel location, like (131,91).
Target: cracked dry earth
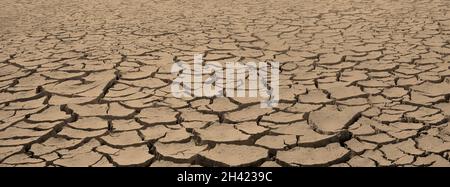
(87,83)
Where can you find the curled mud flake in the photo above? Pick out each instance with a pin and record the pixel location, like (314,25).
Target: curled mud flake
(133,156)
(234,155)
(349,93)
(331,119)
(53,113)
(321,156)
(277,141)
(122,138)
(179,151)
(222,133)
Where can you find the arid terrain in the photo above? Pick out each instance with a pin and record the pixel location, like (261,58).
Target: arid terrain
(88,83)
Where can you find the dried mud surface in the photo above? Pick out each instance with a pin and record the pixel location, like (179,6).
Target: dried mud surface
(87,83)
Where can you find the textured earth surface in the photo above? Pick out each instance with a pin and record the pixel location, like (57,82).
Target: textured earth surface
(87,83)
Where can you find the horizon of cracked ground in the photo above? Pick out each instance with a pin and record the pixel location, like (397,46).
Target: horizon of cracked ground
(87,83)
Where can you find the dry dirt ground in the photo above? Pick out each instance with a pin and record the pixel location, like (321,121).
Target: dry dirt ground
(87,83)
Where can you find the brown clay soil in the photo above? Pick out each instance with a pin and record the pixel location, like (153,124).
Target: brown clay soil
(87,83)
